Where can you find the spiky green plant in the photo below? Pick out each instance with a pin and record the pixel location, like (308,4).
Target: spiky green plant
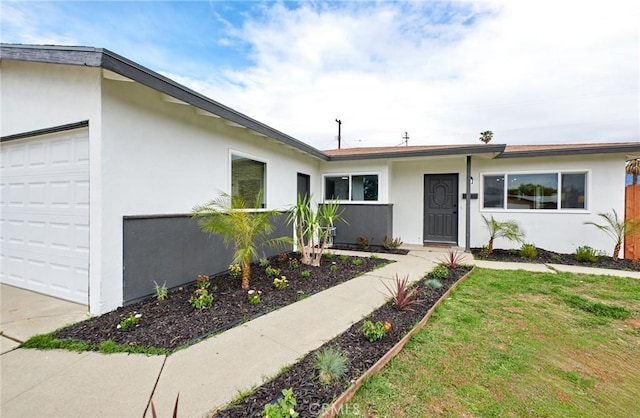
(509,230)
(616,228)
(331,365)
(311,225)
(246,230)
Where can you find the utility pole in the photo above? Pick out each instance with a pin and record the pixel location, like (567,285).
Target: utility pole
(339,131)
(406,139)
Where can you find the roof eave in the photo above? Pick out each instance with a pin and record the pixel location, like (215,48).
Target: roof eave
(616,149)
(471,150)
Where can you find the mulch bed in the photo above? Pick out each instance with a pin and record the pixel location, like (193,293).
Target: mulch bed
(551,257)
(370,249)
(310,394)
(173,323)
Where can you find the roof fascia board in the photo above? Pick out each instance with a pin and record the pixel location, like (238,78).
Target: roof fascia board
(482,149)
(616,149)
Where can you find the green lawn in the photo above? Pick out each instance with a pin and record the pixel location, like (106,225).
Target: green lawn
(518,344)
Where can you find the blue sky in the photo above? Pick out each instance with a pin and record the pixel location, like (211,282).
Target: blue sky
(530,71)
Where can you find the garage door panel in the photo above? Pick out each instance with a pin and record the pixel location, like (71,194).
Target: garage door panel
(44,227)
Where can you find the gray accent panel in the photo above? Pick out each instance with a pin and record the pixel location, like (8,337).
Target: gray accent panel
(172,249)
(371,221)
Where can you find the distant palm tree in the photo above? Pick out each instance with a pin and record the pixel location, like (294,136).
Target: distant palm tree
(616,228)
(486,136)
(246,230)
(633,168)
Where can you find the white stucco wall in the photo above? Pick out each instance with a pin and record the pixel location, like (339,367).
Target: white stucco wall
(561,230)
(407,194)
(161,157)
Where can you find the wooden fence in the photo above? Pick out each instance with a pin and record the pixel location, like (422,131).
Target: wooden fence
(632,211)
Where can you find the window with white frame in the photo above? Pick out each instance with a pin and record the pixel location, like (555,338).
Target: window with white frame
(355,188)
(248,180)
(535,191)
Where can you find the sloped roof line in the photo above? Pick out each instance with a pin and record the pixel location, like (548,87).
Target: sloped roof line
(106,59)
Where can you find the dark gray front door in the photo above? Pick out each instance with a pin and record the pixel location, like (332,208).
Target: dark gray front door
(441,208)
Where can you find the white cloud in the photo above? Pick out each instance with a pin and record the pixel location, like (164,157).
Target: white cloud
(530,71)
(533,72)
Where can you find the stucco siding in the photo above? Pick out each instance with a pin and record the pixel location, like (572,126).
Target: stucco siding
(162,157)
(559,230)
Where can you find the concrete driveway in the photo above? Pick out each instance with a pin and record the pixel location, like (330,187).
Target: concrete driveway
(24,314)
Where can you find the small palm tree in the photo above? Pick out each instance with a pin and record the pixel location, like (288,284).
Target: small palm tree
(244,229)
(616,228)
(633,167)
(506,229)
(486,136)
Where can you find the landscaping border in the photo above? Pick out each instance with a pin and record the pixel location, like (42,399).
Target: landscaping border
(336,406)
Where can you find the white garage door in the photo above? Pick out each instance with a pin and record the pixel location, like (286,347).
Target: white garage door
(44,214)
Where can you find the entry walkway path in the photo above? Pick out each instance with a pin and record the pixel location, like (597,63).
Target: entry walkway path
(207,375)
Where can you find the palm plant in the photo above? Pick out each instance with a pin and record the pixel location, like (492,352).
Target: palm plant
(311,225)
(509,230)
(244,229)
(486,136)
(616,228)
(633,167)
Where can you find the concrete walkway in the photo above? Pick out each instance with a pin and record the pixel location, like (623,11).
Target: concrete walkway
(207,375)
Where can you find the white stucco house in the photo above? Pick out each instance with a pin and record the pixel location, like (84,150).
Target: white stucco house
(102,159)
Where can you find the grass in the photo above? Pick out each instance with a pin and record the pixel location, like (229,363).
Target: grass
(49,342)
(515,343)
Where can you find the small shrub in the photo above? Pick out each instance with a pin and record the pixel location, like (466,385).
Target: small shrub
(440,272)
(202,299)
(235,270)
(160,291)
(556,257)
(130,321)
(401,294)
(343,258)
(253,296)
(357,261)
(305,274)
(433,283)
(294,264)
(284,408)
(586,254)
(328,255)
(333,267)
(272,272)
(452,260)
(529,251)
(391,243)
(374,332)
(280,283)
(374,257)
(283,257)
(331,365)
(203,281)
(264,262)
(364,243)
(484,251)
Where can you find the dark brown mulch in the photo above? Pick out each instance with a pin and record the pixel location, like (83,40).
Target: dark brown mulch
(174,322)
(310,394)
(551,257)
(370,249)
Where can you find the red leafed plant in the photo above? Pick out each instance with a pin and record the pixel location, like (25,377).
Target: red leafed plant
(175,408)
(452,260)
(401,294)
